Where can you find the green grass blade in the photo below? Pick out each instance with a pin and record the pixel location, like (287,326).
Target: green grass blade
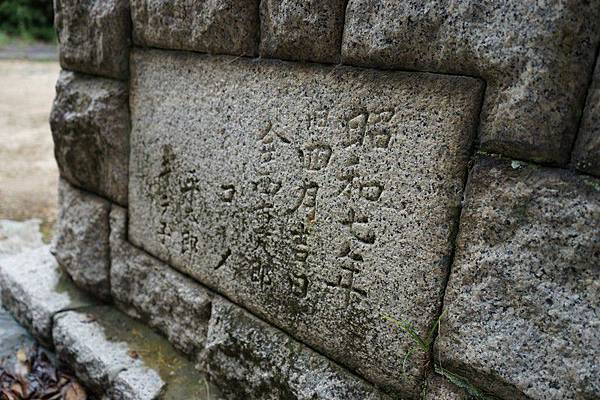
(406,327)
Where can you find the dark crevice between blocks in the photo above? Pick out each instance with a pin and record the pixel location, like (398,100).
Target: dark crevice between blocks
(473,151)
(327,65)
(259,31)
(343,30)
(548,166)
(583,104)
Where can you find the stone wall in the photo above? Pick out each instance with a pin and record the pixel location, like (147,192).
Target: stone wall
(343,199)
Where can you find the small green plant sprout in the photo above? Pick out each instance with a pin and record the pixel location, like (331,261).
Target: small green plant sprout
(419,343)
(463,383)
(516,164)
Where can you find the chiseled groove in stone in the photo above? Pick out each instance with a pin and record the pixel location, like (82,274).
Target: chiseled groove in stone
(482,39)
(298,98)
(503,320)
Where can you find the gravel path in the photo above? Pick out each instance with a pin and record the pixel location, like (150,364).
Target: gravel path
(19,50)
(28,172)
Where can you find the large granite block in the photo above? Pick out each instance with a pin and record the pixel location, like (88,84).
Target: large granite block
(586,154)
(536,57)
(34,289)
(321,199)
(94,36)
(302,30)
(219,27)
(90,127)
(148,289)
(249,359)
(81,243)
(523,300)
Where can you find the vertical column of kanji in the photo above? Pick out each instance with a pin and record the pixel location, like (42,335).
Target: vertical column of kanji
(357,187)
(90,126)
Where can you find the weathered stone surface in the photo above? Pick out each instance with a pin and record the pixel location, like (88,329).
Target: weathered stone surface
(94,36)
(137,383)
(81,243)
(320,198)
(149,289)
(523,300)
(81,341)
(586,154)
(33,289)
(535,56)
(90,126)
(111,352)
(302,30)
(250,359)
(219,27)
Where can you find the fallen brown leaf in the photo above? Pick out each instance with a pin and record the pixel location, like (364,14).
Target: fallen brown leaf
(74,391)
(31,375)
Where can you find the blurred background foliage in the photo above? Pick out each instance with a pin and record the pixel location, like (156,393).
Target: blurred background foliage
(27,20)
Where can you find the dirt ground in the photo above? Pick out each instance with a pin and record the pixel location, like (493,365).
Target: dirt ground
(28,172)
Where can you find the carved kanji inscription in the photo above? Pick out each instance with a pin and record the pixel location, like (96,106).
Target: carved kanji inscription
(320,198)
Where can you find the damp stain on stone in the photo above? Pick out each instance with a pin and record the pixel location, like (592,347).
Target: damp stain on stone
(65,285)
(155,352)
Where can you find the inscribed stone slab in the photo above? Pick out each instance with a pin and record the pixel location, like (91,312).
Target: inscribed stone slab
(321,199)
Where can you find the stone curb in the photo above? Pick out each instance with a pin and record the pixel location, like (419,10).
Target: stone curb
(113,355)
(33,289)
(124,359)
